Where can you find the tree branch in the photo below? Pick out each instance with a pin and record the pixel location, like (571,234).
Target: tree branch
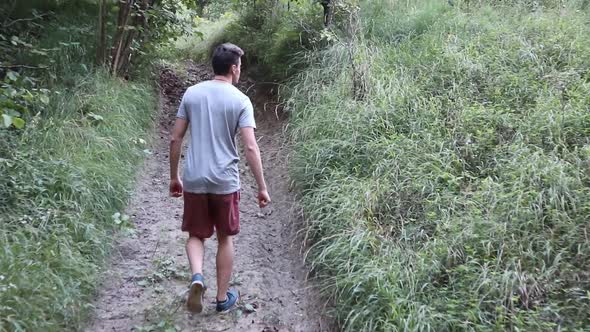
(24,20)
(23,66)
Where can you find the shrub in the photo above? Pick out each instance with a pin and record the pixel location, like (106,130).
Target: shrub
(454,195)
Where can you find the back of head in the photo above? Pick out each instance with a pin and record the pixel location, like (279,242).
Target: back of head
(224,56)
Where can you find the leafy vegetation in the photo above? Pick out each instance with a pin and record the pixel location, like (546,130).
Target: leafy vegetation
(270,33)
(62,180)
(442,154)
(441,151)
(67,160)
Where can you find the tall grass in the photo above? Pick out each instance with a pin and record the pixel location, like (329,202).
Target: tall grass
(455,195)
(196,46)
(63,177)
(271,35)
(61,182)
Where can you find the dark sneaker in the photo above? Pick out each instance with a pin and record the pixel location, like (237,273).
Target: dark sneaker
(196,293)
(225,306)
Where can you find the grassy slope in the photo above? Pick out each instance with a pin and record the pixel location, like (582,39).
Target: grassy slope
(456,195)
(61,180)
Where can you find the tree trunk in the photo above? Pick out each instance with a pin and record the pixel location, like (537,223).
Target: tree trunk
(101,48)
(358,56)
(328,11)
(330,16)
(140,25)
(124,13)
(200,6)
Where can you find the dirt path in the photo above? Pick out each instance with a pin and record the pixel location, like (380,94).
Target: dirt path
(145,287)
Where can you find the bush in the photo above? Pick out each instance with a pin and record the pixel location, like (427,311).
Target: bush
(62,179)
(271,36)
(65,174)
(454,195)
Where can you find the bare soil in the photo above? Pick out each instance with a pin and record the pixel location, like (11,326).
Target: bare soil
(144,286)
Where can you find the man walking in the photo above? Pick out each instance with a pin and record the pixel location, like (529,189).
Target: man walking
(215,110)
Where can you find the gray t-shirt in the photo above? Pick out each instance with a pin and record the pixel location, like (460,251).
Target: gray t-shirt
(215,111)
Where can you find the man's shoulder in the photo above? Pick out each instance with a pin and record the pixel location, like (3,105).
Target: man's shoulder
(210,85)
(218,90)
(193,90)
(199,86)
(237,92)
(238,96)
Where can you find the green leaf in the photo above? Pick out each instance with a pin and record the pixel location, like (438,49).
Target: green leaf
(40,52)
(7,120)
(18,122)
(95,117)
(44,99)
(12,92)
(28,96)
(249,308)
(12,75)
(69,44)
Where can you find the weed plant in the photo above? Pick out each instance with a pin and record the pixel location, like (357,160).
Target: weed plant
(64,176)
(455,194)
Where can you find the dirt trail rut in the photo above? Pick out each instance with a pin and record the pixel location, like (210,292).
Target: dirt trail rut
(145,286)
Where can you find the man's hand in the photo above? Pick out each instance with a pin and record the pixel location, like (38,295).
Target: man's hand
(263,198)
(175,188)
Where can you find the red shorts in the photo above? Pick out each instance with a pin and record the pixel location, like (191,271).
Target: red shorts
(203,213)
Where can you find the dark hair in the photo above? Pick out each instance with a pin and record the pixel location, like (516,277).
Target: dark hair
(224,56)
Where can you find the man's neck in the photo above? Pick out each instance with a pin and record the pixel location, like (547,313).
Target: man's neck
(222,78)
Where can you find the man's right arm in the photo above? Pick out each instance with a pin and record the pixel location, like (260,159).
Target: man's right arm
(178,133)
(255,163)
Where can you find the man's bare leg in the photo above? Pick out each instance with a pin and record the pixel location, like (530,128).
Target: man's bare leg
(195,251)
(225,261)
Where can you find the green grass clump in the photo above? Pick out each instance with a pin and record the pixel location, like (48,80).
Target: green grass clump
(269,34)
(62,179)
(454,194)
(65,174)
(196,46)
